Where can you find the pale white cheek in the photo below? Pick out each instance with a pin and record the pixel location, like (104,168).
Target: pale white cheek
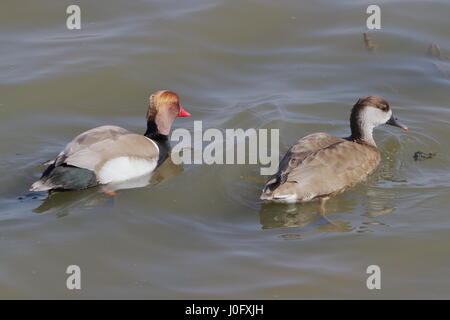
(125,168)
(373,117)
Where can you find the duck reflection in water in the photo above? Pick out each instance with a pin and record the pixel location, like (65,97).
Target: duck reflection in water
(314,218)
(309,216)
(95,197)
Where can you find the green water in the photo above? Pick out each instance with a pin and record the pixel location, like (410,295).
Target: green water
(200,231)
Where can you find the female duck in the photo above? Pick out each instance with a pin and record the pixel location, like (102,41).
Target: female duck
(320,165)
(110,154)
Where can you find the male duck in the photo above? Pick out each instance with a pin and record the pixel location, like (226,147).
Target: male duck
(110,154)
(320,165)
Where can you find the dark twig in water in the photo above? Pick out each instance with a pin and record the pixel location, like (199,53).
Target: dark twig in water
(370,45)
(434,51)
(419,155)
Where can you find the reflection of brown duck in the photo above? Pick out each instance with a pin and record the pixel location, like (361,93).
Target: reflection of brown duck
(111,154)
(273,216)
(321,166)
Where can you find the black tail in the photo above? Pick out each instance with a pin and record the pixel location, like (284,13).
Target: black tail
(65,177)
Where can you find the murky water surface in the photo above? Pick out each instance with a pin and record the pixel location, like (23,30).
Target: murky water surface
(200,231)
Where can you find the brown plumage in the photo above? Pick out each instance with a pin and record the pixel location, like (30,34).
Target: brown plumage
(321,165)
(113,154)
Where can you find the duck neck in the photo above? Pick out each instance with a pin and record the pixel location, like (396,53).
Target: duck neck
(153,132)
(160,139)
(362,131)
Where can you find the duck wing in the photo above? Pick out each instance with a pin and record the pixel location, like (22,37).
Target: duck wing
(295,156)
(329,171)
(88,138)
(98,156)
(130,145)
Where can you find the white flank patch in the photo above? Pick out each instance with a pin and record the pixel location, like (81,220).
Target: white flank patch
(125,168)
